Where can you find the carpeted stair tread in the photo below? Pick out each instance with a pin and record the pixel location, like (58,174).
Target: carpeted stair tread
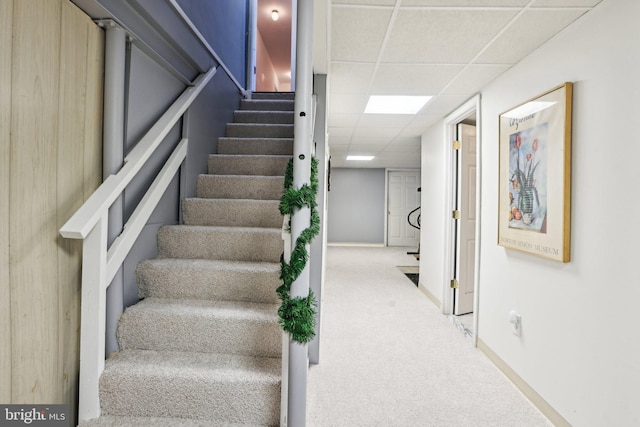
(221,243)
(122,421)
(232,212)
(270,117)
(259,130)
(267,104)
(266,146)
(208,386)
(234,164)
(239,187)
(206,326)
(208,279)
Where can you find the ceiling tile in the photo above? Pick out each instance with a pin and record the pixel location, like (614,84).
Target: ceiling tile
(404,148)
(414,79)
(442,105)
(347,103)
(527,33)
(357,32)
(565,3)
(459,3)
(343,119)
(385,120)
(350,77)
(426,36)
(365,149)
(474,78)
(417,129)
(343,133)
(371,141)
(375,132)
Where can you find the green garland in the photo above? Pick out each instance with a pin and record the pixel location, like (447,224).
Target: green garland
(298,315)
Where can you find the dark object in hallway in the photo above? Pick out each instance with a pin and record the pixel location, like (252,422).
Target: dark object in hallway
(413,277)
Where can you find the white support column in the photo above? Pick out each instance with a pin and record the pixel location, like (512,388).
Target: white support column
(93,308)
(113,158)
(302,145)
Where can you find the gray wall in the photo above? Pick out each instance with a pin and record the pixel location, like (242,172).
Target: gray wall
(356,206)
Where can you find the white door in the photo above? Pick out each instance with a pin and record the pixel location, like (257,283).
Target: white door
(402,198)
(466,225)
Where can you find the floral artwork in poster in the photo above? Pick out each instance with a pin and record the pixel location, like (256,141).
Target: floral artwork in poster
(535,175)
(528,179)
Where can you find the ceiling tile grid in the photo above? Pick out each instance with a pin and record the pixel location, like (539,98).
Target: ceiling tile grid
(448,49)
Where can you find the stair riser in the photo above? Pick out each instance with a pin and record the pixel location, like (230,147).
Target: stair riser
(193,281)
(274,95)
(256,146)
(232,245)
(226,402)
(264,117)
(231,213)
(239,187)
(267,105)
(248,165)
(165,331)
(244,130)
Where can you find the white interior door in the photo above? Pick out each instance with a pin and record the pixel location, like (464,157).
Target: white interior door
(466,225)
(402,198)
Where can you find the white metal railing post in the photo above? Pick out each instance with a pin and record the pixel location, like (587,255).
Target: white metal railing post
(298,353)
(284,387)
(93,311)
(112,159)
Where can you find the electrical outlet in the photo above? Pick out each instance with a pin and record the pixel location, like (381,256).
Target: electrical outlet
(515,319)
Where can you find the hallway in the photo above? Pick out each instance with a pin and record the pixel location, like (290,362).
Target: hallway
(388,357)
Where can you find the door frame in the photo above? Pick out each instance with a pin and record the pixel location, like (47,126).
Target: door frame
(386,197)
(450,123)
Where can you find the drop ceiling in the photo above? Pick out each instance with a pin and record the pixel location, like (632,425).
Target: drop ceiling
(448,49)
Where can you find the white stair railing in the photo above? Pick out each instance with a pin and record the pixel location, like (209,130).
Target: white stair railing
(100,262)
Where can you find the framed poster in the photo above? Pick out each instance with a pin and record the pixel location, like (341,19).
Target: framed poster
(535,175)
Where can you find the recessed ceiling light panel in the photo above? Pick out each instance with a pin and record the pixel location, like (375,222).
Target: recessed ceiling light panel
(393,104)
(360,158)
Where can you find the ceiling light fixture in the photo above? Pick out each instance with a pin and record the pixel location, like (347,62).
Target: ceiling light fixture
(390,104)
(275,15)
(360,158)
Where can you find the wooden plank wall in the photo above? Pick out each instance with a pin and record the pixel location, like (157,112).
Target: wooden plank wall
(55,66)
(6,13)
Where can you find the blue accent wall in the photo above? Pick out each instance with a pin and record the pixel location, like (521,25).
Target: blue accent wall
(224,24)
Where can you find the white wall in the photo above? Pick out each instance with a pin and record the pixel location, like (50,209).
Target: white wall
(579,349)
(432,218)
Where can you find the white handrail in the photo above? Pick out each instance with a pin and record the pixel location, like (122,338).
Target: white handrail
(85,219)
(123,243)
(100,264)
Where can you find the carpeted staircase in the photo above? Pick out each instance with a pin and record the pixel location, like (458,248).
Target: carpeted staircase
(203,346)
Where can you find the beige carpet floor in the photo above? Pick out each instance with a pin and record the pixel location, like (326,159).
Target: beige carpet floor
(389,357)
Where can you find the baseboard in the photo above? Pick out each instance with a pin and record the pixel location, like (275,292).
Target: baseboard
(537,400)
(429,295)
(357,244)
